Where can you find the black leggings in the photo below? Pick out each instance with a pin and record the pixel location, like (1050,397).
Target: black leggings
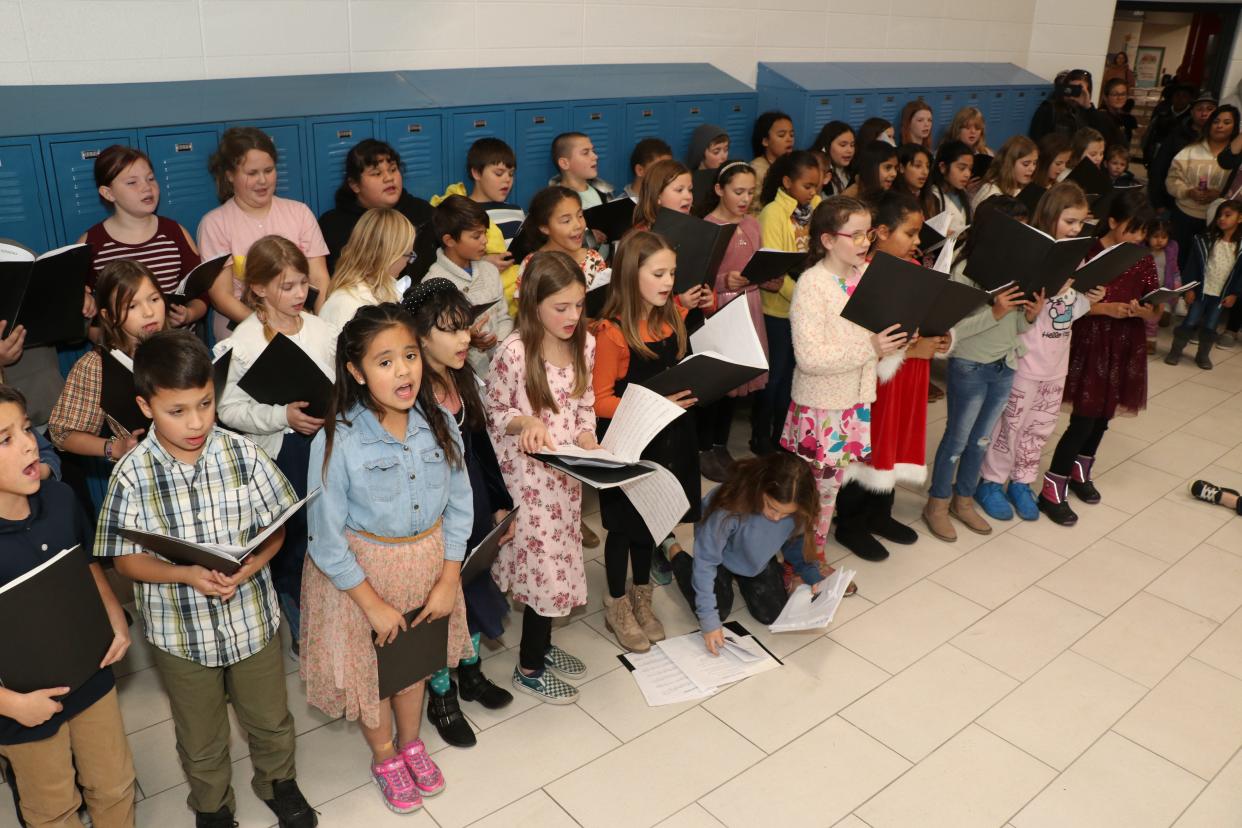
(713,423)
(620,553)
(536,640)
(1082,437)
(1233,321)
(764,593)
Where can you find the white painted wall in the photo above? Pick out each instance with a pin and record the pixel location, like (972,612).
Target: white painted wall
(81,41)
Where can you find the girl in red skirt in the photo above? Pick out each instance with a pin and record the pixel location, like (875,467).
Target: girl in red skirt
(898,415)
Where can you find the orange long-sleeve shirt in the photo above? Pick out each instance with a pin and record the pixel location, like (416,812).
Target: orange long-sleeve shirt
(612,362)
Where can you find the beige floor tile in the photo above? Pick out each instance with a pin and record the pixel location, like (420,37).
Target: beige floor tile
(1115,783)
(1063,709)
(1220,803)
(998,570)
(552,741)
(535,808)
(824,671)
(1104,576)
(693,816)
(1232,459)
(1155,422)
(851,821)
(903,629)
(1093,524)
(1026,633)
(1223,648)
(843,766)
(880,580)
(1180,453)
(1132,486)
(1208,581)
(672,766)
(364,806)
(1145,639)
(1116,449)
(1226,376)
(975,779)
(156,765)
(615,701)
(143,699)
(1168,529)
(1220,425)
(917,710)
(1192,718)
(1190,398)
(1229,535)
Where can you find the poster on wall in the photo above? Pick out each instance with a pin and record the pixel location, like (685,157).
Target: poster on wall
(1148,66)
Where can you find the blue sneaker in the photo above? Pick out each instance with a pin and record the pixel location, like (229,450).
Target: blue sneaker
(991,497)
(1023,500)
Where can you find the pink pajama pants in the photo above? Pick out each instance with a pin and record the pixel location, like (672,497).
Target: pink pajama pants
(1023,430)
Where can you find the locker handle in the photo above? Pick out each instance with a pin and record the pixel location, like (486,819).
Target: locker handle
(823,101)
(184,147)
(737,107)
(480,124)
(948,97)
(414,128)
(89,154)
(694,110)
(342,134)
(595,116)
(889,98)
(647,113)
(1000,94)
(539,119)
(858,100)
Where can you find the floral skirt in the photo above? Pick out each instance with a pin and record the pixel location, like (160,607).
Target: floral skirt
(338,656)
(828,439)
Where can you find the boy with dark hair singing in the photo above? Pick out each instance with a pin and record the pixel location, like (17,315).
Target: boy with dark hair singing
(214,635)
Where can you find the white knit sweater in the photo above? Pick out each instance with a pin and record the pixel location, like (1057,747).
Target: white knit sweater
(835,364)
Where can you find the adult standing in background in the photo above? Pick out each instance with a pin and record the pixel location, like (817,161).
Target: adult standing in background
(1196,178)
(1183,134)
(1117,68)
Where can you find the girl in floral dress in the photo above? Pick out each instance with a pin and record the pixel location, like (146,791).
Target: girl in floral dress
(538,397)
(829,420)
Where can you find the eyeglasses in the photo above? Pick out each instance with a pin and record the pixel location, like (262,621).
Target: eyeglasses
(411,258)
(859,237)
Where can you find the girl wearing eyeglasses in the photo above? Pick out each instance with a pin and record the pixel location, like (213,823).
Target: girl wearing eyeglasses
(829,419)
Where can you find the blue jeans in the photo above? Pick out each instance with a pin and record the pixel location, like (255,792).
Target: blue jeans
(1205,311)
(976,395)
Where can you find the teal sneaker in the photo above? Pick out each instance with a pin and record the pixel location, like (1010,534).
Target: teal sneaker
(991,497)
(1023,500)
(545,687)
(558,660)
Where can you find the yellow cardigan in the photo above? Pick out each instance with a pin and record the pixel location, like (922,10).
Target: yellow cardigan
(778,234)
(495,244)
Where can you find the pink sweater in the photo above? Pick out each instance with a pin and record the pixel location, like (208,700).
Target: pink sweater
(1048,340)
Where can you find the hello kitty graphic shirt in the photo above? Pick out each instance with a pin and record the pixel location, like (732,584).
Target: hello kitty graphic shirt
(1047,342)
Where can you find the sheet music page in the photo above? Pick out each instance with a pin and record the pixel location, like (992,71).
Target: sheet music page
(659,498)
(588,457)
(709,671)
(944,262)
(940,222)
(661,681)
(731,333)
(601,279)
(641,415)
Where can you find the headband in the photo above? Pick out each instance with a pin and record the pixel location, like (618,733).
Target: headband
(721,171)
(424,290)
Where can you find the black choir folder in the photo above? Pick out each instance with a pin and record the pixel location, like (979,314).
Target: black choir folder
(1107,265)
(56,630)
(700,246)
(1008,250)
(198,280)
(612,218)
(44,293)
(117,396)
(1162,296)
(767,265)
(893,291)
(482,557)
(414,654)
(220,557)
(284,373)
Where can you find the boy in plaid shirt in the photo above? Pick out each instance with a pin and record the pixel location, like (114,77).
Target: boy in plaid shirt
(214,635)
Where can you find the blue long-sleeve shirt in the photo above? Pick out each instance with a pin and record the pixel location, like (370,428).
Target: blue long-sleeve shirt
(377,484)
(744,545)
(47,454)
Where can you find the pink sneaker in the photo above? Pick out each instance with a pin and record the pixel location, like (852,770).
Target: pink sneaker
(427,777)
(400,793)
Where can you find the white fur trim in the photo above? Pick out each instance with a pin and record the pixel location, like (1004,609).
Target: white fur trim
(884,481)
(887,368)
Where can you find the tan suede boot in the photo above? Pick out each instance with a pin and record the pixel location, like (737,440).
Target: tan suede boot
(963,508)
(620,621)
(936,516)
(640,600)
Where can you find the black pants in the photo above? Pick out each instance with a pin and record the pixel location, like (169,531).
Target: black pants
(1082,437)
(621,553)
(764,593)
(767,417)
(1233,322)
(536,640)
(713,422)
(1185,228)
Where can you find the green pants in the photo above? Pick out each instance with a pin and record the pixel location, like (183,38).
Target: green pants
(198,695)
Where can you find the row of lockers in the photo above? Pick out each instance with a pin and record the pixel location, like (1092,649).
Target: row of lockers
(48,195)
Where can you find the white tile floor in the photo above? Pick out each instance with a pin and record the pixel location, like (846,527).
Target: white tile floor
(1039,677)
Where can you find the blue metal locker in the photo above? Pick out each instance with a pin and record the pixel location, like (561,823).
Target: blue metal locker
(603,123)
(419,139)
(24,214)
(737,116)
(179,159)
(331,141)
(690,114)
(944,104)
(534,128)
(647,119)
(71,159)
(292,176)
(823,108)
(468,127)
(1000,109)
(887,104)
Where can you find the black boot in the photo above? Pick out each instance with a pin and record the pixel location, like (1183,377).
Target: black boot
(290,807)
(852,532)
(881,522)
(477,687)
(1180,337)
(445,713)
(1203,358)
(222,818)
